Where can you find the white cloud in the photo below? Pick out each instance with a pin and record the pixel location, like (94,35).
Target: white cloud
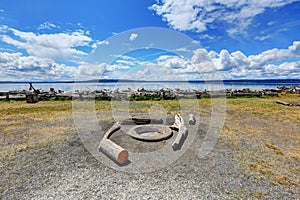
(198,15)
(55,46)
(3,28)
(285,68)
(225,64)
(133,36)
(16,66)
(104,42)
(271,23)
(262,38)
(274,55)
(206,36)
(98,43)
(47,25)
(144,72)
(119,66)
(230,65)
(92,70)
(254,66)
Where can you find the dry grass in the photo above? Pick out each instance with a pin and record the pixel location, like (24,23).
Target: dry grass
(273,149)
(265,136)
(25,125)
(268,107)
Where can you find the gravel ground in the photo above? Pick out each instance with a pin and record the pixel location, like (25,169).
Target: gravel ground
(68,171)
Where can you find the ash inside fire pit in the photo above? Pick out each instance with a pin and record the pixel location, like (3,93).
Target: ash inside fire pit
(150,132)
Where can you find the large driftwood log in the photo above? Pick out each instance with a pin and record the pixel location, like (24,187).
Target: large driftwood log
(182,133)
(114,151)
(111,149)
(287,103)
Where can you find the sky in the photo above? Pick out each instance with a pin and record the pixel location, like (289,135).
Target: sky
(149,39)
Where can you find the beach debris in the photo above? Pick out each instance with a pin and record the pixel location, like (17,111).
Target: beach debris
(287,103)
(111,149)
(152,94)
(291,90)
(182,132)
(192,119)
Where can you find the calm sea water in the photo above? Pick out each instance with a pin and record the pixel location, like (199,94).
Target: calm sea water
(4,87)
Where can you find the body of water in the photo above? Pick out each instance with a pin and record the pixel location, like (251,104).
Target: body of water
(4,87)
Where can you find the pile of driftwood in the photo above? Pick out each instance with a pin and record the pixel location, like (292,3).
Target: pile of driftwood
(290,90)
(32,95)
(143,94)
(251,93)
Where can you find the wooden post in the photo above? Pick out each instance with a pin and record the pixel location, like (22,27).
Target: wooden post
(111,149)
(7,96)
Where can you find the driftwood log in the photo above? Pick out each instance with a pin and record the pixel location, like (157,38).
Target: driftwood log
(142,121)
(111,149)
(287,103)
(182,133)
(114,151)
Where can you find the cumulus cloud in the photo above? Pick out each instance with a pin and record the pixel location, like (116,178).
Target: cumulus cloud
(16,66)
(198,15)
(55,46)
(133,36)
(92,70)
(274,55)
(43,50)
(212,64)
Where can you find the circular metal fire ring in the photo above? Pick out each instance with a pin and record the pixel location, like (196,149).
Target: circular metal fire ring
(150,132)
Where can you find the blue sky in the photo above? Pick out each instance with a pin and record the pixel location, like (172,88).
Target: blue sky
(67,40)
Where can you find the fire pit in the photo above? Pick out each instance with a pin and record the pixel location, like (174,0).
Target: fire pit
(150,132)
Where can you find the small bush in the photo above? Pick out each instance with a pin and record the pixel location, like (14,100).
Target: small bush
(62,98)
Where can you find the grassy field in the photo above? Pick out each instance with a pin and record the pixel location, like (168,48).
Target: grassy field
(271,131)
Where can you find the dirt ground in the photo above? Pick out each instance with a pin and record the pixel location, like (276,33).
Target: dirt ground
(257,156)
